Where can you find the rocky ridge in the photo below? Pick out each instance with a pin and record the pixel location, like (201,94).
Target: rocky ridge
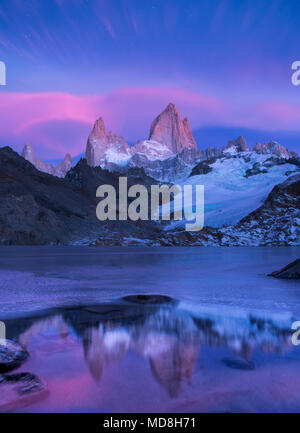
(59,171)
(40,209)
(170,153)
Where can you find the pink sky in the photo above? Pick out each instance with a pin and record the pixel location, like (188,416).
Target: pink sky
(57,123)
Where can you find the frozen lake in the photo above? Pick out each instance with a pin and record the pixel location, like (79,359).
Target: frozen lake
(221,343)
(33,278)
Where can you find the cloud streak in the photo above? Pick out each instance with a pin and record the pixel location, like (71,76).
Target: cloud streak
(57,123)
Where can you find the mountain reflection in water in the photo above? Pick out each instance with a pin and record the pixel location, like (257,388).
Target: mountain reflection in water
(169,337)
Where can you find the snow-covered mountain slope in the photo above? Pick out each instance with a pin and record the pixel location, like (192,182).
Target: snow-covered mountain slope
(237,183)
(169,169)
(275,223)
(118,151)
(175,168)
(152,149)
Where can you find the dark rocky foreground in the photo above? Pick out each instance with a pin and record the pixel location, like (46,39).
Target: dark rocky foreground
(41,209)
(19,390)
(16,389)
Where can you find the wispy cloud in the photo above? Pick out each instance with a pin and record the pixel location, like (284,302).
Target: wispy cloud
(60,122)
(108,25)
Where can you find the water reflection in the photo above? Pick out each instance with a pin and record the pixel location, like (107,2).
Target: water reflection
(159,331)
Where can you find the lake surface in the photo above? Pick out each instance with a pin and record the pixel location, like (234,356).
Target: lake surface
(220,339)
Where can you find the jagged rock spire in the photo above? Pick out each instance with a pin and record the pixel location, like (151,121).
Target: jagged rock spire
(60,171)
(97,144)
(274,148)
(169,129)
(240,144)
(102,149)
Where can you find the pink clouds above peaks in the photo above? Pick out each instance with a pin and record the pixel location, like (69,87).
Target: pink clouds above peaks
(60,122)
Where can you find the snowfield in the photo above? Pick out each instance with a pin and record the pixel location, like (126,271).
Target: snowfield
(229,194)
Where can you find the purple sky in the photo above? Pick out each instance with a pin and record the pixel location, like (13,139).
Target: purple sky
(225,64)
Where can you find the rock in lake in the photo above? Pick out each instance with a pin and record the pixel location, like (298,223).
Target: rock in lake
(18,390)
(150,299)
(290,272)
(12,355)
(239,364)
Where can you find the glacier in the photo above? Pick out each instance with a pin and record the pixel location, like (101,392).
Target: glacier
(229,194)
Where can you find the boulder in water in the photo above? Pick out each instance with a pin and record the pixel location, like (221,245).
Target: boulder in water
(150,299)
(12,355)
(18,390)
(239,364)
(290,272)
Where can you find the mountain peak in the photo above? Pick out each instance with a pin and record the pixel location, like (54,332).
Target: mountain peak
(188,131)
(97,143)
(102,149)
(239,143)
(170,130)
(171,107)
(67,157)
(60,170)
(99,128)
(28,153)
(274,148)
